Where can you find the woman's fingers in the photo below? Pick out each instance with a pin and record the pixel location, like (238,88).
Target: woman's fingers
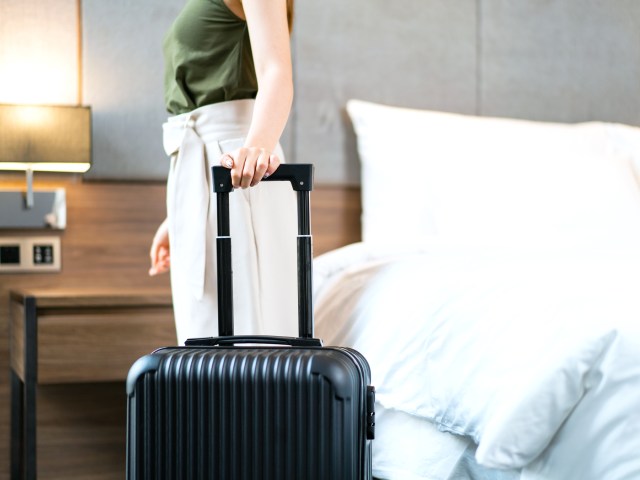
(235,162)
(274,163)
(154,260)
(160,251)
(261,167)
(255,165)
(226,161)
(159,262)
(249,165)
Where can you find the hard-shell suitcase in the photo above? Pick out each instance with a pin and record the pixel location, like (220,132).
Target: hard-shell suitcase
(252,407)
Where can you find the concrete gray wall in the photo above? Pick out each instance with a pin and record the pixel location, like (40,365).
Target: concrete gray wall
(123,83)
(556,60)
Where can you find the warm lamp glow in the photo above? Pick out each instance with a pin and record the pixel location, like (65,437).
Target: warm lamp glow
(40,64)
(32,116)
(37,81)
(46,167)
(45,138)
(39,52)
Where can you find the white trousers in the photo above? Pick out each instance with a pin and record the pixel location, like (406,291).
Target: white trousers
(263,230)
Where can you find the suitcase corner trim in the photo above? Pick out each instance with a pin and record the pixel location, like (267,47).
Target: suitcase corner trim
(148,363)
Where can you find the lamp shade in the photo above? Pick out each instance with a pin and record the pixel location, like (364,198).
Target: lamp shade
(45,138)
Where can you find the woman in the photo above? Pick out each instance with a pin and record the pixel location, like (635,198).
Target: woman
(217,53)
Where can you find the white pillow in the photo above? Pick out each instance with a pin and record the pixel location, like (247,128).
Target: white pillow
(491,181)
(625,141)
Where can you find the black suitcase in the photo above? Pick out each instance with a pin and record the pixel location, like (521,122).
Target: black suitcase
(252,407)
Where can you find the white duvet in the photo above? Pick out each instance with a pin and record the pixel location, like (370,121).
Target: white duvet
(534,354)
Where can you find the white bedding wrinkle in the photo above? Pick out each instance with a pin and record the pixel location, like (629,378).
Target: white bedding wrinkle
(420,453)
(539,404)
(533,353)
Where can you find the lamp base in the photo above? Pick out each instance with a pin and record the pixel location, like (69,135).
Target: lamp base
(49,210)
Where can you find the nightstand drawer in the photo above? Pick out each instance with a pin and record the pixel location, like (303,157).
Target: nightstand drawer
(84,338)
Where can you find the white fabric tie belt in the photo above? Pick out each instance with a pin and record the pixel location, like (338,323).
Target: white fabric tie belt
(195,141)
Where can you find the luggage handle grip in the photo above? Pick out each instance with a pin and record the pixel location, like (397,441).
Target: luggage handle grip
(255,339)
(300,175)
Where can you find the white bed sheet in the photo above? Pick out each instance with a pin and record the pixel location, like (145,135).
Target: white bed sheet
(534,354)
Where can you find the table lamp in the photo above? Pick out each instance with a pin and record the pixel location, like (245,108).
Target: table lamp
(35,138)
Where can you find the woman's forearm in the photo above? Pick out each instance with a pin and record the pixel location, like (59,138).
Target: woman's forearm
(272,108)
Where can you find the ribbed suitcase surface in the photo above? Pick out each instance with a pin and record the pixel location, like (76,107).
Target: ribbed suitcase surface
(249,413)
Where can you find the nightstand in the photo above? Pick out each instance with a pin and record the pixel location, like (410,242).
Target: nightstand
(72,339)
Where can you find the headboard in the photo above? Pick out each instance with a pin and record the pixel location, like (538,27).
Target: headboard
(552,60)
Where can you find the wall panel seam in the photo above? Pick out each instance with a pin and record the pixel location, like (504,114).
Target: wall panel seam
(80,69)
(478,101)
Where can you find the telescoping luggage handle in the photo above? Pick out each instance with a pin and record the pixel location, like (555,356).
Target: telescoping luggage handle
(301,178)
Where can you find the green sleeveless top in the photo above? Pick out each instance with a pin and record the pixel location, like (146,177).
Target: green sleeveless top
(208,57)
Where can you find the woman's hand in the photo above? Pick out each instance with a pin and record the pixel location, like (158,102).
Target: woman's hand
(159,253)
(249,165)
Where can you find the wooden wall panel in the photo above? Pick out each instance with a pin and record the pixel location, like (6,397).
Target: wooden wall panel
(335,217)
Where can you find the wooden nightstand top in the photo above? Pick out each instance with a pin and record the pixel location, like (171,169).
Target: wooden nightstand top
(81,297)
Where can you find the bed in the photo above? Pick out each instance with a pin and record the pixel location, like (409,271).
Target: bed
(495,293)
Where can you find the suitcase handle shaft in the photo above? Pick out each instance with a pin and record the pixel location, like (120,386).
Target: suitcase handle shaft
(301,178)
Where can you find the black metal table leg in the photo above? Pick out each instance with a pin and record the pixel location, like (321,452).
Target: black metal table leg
(17,426)
(30,380)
